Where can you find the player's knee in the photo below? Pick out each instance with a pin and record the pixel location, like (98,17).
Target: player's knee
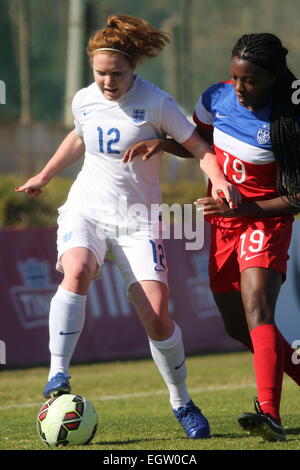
(258,309)
(79,272)
(159,328)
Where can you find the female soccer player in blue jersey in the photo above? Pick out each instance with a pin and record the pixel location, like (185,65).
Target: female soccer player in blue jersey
(253,123)
(117,110)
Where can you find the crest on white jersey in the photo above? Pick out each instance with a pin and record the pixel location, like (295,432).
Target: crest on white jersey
(263,135)
(138,114)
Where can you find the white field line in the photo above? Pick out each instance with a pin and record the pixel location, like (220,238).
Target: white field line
(213,388)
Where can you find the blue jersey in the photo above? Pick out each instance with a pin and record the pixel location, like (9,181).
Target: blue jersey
(241,140)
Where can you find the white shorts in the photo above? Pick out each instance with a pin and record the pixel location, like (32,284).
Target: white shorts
(138,256)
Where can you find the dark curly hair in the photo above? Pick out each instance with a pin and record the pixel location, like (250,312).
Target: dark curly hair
(267,51)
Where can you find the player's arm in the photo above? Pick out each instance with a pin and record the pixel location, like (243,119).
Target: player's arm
(276,207)
(195,147)
(68,152)
(208,163)
(207,133)
(148,148)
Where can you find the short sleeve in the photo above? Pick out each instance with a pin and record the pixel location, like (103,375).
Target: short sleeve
(202,115)
(174,123)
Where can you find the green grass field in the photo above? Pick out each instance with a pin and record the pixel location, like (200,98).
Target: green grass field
(133,408)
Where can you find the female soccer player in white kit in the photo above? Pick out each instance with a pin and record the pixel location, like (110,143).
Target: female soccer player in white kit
(108,209)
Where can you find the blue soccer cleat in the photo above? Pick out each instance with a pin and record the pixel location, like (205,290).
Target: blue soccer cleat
(57,385)
(193,422)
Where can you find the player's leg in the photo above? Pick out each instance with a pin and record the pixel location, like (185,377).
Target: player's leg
(67,315)
(80,253)
(150,299)
(260,289)
(263,255)
(224,274)
(143,266)
(231,308)
(234,252)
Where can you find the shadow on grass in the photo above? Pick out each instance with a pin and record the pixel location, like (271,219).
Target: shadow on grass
(228,436)
(293,432)
(136,441)
(131,441)
(289,432)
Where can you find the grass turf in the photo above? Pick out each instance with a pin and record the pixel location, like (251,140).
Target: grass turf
(133,408)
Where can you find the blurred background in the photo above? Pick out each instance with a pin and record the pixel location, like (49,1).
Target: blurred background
(37,38)
(43,63)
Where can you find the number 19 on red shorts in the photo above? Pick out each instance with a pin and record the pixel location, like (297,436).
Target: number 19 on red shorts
(265,244)
(259,243)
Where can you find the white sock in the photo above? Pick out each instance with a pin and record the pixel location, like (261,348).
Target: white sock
(169,357)
(66,320)
(59,364)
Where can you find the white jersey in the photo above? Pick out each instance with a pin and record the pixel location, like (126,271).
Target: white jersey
(107,189)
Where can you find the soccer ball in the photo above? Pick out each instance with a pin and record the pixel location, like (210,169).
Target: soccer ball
(67,420)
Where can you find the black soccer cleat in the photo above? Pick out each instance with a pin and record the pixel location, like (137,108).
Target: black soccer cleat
(262,424)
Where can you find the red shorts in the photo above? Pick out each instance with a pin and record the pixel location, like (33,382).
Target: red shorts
(260,243)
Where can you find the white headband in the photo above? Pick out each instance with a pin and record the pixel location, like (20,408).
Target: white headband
(112,50)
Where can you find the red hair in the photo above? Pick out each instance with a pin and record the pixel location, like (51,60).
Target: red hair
(133,36)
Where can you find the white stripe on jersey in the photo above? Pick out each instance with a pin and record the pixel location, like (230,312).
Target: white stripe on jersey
(202,114)
(242,150)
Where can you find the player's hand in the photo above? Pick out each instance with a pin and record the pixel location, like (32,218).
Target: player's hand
(145,148)
(32,187)
(218,207)
(225,190)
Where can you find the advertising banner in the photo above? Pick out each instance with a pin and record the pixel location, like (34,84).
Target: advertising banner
(112,331)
